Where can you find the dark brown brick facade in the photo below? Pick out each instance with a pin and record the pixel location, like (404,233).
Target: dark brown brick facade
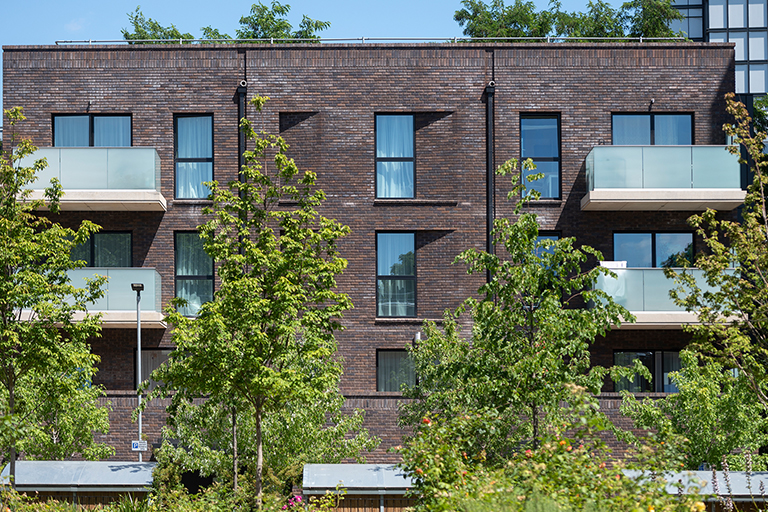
(323,101)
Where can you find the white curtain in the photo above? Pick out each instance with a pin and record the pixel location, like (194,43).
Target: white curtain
(394,136)
(192,264)
(395,369)
(112,250)
(150,361)
(670,363)
(394,139)
(394,179)
(672,130)
(71,131)
(631,130)
(638,384)
(194,139)
(112,131)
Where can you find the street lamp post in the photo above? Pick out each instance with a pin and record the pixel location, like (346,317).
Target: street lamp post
(138,288)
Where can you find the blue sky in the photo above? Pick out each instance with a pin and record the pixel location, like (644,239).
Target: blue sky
(42,22)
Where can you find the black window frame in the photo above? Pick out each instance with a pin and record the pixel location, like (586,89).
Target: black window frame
(91,116)
(189,277)
(407,356)
(652,116)
(657,371)
(413,278)
(653,242)
(378,159)
(92,247)
(558,159)
(177,160)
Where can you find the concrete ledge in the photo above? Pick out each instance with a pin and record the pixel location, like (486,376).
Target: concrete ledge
(109,200)
(675,199)
(660,320)
(127,319)
(116,319)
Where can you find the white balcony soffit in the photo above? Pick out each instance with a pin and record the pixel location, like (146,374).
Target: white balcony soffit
(675,199)
(109,200)
(660,320)
(117,319)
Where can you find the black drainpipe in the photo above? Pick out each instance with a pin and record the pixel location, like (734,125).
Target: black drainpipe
(240,98)
(490,172)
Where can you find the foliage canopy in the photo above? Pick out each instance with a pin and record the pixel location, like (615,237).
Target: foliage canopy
(263,351)
(635,18)
(48,407)
(530,336)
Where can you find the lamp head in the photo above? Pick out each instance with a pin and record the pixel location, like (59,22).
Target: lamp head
(137,287)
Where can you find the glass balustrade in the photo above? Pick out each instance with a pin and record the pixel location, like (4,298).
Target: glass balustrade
(662,167)
(645,289)
(119,296)
(91,168)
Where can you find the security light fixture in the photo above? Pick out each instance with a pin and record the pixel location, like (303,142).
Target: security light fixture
(137,287)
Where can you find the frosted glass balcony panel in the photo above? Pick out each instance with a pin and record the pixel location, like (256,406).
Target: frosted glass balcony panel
(666,167)
(656,291)
(99,168)
(84,168)
(617,167)
(646,289)
(662,167)
(119,296)
(715,167)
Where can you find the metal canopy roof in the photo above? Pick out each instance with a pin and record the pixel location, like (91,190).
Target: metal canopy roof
(355,478)
(80,476)
(739,487)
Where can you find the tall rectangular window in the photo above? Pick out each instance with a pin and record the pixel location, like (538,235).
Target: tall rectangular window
(396,275)
(659,363)
(91,130)
(194,272)
(395,159)
(540,141)
(105,250)
(647,250)
(194,155)
(394,368)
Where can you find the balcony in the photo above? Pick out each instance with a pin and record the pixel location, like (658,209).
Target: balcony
(102,179)
(662,178)
(118,306)
(645,293)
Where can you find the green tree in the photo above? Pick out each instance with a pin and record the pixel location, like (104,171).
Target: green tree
(600,20)
(265,345)
(530,335)
(272,23)
(650,18)
(713,414)
(561,474)
(497,20)
(637,18)
(733,308)
(48,407)
(147,28)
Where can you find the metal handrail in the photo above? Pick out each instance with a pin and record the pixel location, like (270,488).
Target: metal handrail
(363,40)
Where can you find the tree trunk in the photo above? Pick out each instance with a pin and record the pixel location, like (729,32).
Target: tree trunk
(535,422)
(259,456)
(234,448)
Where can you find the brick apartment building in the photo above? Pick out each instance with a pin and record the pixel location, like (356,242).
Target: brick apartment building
(402,138)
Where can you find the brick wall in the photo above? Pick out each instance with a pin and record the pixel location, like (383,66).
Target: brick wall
(323,101)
